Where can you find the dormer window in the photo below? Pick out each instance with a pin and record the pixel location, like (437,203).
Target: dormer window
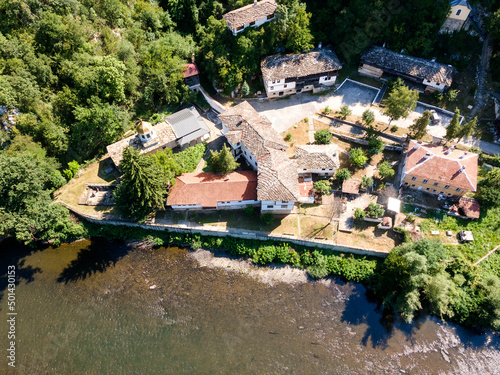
(458,12)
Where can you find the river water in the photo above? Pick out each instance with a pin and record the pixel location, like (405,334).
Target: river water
(99,307)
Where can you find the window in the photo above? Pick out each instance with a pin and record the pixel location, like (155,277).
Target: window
(285,85)
(271,206)
(406,183)
(413,185)
(441,192)
(425,181)
(457,190)
(447,187)
(252,23)
(239,28)
(448,195)
(434,190)
(458,12)
(427,189)
(284,206)
(413,178)
(272,87)
(323,169)
(436,183)
(270,16)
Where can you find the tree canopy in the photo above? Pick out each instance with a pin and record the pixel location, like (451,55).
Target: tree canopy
(419,127)
(401,102)
(222,161)
(143,186)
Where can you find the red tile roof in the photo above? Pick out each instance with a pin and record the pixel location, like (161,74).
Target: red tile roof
(305,188)
(433,162)
(206,189)
(191,70)
(470,206)
(351,186)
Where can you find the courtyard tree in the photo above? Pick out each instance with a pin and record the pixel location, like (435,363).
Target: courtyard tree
(368,117)
(222,161)
(143,185)
(375,146)
(323,137)
(245,89)
(401,102)
(419,127)
(322,186)
(359,214)
(342,175)
(454,127)
(375,210)
(366,182)
(385,170)
(358,157)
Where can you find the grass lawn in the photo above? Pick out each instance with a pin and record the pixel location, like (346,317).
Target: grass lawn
(300,136)
(367,235)
(315,227)
(486,231)
(73,190)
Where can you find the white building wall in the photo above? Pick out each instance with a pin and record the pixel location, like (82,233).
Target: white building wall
(250,158)
(186,207)
(276,206)
(327,80)
(437,86)
(324,172)
(257,24)
(236,204)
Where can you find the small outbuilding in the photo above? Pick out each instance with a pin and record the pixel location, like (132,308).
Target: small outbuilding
(351,186)
(466,236)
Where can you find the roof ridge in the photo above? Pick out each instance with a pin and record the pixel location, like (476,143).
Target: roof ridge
(420,164)
(464,171)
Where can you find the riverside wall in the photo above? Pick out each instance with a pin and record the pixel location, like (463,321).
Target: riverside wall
(233,232)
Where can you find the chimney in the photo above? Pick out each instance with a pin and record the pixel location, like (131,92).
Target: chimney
(427,155)
(462,169)
(450,149)
(254,2)
(417,146)
(433,59)
(320,45)
(383,45)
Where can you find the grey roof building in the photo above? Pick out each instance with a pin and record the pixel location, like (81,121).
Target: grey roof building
(255,14)
(188,126)
(432,75)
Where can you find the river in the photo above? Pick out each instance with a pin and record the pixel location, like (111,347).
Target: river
(100,307)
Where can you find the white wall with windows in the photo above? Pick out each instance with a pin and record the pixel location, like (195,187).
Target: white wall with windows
(276,206)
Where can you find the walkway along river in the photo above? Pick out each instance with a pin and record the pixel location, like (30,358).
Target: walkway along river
(99,307)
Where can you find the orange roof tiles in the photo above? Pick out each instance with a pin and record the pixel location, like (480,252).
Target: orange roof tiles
(206,189)
(470,206)
(441,164)
(191,70)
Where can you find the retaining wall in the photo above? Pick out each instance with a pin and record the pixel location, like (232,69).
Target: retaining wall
(238,233)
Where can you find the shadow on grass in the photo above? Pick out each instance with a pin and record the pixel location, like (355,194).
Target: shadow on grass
(95,258)
(104,165)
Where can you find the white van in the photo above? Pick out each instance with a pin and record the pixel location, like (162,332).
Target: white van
(434,117)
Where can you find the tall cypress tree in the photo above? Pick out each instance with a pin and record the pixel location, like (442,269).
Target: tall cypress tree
(419,128)
(454,126)
(222,161)
(143,186)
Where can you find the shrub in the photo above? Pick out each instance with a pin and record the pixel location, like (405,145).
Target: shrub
(267,218)
(375,210)
(319,268)
(327,110)
(73,168)
(306,120)
(322,137)
(288,137)
(322,186)
(375,146)
(358,157)
(245,89)
(359,214)
(342,175)
(394,128)
(250,210)
(344,111)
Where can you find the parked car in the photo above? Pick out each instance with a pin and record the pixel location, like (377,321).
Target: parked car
(435,119)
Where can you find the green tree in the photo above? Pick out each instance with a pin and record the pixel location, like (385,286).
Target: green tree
(27,181)
(385,170)
(342,175)
(467,129)
(375,210)
(292,26)
(454,127)
(143,186)
(323,137)
(375,146)
(419,127)
(401,102)
(489,188)
(344,111)
(358,157)
(73,168)
(368,117)
(359,214)
(366,182)
(322,186)
(222,161)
